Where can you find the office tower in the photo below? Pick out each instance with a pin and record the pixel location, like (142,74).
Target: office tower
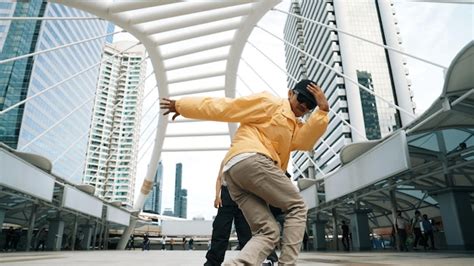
(6,10)
(380,71)
(18,38)
(115,130)
(28,127)
(154,199)
(180,195)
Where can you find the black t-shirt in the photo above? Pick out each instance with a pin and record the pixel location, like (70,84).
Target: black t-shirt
(345,229)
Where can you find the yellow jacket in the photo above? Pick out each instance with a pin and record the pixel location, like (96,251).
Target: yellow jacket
(267,124)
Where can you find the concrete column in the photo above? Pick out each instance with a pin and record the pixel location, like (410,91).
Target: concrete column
(101,231)
(87,230)
(335,235)
(458,218)
(74,233)
(393,203)
(94,236)
(360,230)
(31,227)
(106,236)
(319,242)
(2,216)
(55,235)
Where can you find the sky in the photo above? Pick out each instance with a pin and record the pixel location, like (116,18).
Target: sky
(433,31)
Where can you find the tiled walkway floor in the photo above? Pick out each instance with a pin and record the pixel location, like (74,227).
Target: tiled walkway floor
(190,258)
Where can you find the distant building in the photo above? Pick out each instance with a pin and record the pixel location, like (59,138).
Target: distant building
(168,212)
(153,201)
(180,195)
(198,218)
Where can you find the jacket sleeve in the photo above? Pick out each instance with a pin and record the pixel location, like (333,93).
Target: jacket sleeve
(253,108)
(308,133)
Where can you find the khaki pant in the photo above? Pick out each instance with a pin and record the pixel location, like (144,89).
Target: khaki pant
(254,183)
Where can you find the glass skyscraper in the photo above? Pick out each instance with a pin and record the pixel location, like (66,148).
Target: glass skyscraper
(17,38)
(112,151)
(180,195)
(64,144)
(7,9)
(154,199)
(380,71)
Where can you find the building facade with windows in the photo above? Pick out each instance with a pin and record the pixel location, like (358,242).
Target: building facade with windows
(382,72)
(112,149)
(154,199)
(54,124)
(180,194)
(16,38)
(7,9)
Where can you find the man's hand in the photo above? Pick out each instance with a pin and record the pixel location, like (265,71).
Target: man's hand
(318,94)
(169,106)
(217,202)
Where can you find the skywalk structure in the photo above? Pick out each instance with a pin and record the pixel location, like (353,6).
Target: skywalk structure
(426,164)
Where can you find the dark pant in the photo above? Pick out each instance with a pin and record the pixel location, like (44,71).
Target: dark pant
(146,245)
(418,236)
(8,243)
(428,234)
(345,242)
(402,236)
(41,243)
(222,226)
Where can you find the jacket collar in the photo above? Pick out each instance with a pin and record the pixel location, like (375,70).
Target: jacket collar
(286,110)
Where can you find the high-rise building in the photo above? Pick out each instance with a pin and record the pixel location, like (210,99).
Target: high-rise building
(180,195)
(380,71)
(29,127)
(154,199)
(7,9)
(18,38)
(115,130)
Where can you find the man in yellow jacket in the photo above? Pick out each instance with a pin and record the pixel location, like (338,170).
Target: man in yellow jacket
(256,162)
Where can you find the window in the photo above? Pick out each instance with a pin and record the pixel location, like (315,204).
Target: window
(5,5)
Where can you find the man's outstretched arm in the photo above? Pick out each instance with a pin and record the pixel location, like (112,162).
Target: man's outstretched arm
(256,107)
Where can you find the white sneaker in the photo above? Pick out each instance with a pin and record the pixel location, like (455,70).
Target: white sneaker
(267,262)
